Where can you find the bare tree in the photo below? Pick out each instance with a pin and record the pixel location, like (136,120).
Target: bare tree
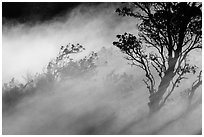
(168,33)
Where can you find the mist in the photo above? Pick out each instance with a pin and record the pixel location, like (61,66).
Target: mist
(90,26)
(110,99)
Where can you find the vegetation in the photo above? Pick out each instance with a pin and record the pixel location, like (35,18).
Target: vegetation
(58,69)
(96,94)
(168,33)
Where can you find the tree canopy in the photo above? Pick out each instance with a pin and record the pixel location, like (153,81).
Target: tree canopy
(168,32)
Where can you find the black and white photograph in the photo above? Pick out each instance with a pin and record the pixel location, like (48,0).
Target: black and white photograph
(101,68)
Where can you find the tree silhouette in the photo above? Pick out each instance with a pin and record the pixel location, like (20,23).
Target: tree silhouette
(64,66)
(168,33)
(62,59)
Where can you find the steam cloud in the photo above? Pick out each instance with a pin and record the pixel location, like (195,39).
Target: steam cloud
(113,100)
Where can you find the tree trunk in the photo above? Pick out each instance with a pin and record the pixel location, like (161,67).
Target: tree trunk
(156,97)
(192,91)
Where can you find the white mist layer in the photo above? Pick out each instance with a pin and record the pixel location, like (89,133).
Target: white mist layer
(111,101)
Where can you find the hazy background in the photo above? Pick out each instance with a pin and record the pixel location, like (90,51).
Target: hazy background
(28,48)
(110,101)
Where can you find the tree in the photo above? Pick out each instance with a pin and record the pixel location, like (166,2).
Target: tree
(64,66)
(168,33)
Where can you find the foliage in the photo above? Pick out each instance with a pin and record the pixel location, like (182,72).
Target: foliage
(65,67)
(13,92)
(58,69)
